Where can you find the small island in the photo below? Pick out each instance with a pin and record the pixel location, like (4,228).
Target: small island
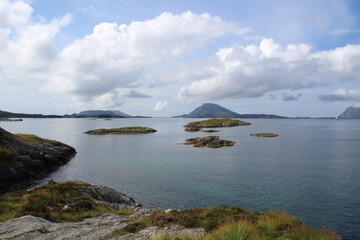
(264,135)
(216,123)
(210,131)
(9,120)
(209,141)
(123,130)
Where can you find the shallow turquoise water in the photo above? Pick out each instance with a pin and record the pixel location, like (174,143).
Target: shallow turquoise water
(311,170)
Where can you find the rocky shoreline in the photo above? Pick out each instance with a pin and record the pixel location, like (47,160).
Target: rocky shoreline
(123,130)
(25,158)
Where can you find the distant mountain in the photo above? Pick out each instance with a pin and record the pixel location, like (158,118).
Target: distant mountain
(25,115)
(211,110)
(102,113)
(350,113)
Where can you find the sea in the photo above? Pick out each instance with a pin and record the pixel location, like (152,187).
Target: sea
(311,171)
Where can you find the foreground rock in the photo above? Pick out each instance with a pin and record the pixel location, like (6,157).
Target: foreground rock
(77,210)
(124,130)
(24,158)
(209,141)
(264,135)
(216,123)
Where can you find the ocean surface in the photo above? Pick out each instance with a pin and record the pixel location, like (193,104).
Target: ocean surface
(312,171)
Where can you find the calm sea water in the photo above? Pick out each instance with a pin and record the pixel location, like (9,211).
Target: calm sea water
(312,170)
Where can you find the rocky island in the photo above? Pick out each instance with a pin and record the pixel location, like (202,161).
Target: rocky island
(9,120)
(209,141)
(216,123)
(264,135)
(123,130)
(77,210)
(24,158)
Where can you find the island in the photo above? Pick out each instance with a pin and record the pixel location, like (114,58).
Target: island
(264,135)
(123,130)
(78,210)
(25,158)
(216,123)
(209,141)
(9,120)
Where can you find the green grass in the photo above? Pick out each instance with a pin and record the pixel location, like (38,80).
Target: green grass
(123,130)
(57,202)
(217,122)
(6,154)
(33,138)
(264,226)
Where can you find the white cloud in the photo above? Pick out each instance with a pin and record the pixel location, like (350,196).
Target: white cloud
(344,31)
(26,47)
(118,56)
(251,71)
(161,105)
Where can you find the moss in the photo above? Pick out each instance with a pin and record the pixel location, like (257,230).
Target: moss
(33,138)
(57,202)
(217,122)
(123,130)
(6,154)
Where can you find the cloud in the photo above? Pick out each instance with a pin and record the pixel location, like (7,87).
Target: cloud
(290,97)
(121,56)
(161,105)
(344,31)
(26,46)
(251,71)
(342,95)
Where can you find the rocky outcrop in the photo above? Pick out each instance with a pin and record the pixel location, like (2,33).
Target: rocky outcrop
(102,227)
(210,142)
(9,120)
(264,135)
(215,123)
(25,158)
(350,113)
(123,130)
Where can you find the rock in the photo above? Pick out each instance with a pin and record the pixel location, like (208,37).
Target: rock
(209,141)
(25,158)
(210,131)
(264,135)
(109,195)
(124,130)
(216,123)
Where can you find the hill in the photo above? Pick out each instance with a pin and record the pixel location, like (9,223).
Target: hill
(350,113)
(211,110)
(5,114)
(102,113)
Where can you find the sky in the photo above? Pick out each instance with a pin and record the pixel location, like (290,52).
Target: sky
(164,58)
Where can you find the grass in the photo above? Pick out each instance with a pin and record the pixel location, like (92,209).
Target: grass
(217,122)
(33,138)
(264,226)
(6,154)
(59,202)
(123,130)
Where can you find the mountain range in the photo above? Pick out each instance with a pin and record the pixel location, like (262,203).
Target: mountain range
(211,110)
(102,113)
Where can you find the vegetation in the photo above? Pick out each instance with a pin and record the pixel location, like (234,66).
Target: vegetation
(217,122)
(252,226)
(264,135)
(123,130)
(59,202)
(33,138)
(6,154)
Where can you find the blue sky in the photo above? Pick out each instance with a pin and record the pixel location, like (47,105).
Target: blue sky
(164,58)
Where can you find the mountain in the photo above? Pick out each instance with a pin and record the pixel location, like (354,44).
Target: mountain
(25,115)
(211,110)
(100,113)
(350,113)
